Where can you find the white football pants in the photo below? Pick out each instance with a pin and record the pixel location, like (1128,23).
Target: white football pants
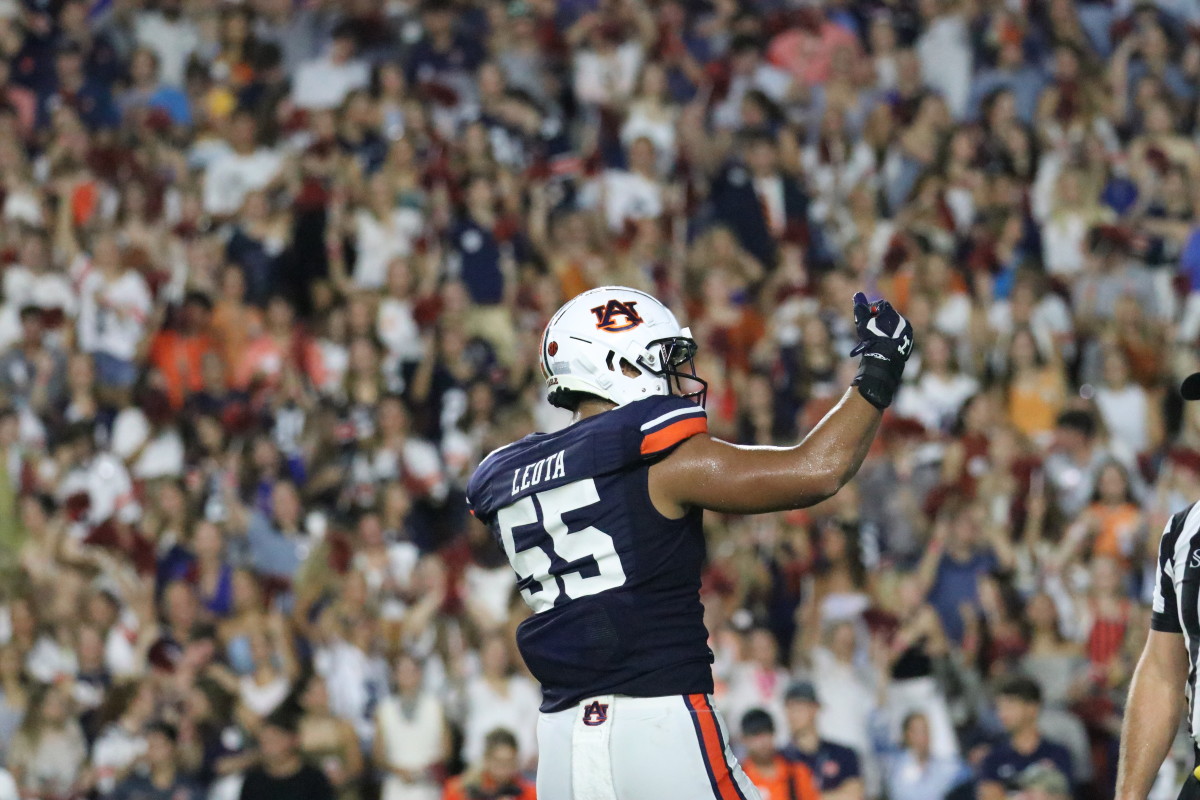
(639,748)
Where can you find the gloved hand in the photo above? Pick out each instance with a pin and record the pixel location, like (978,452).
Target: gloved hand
(885,342)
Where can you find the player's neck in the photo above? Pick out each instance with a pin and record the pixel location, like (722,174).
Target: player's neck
(590,408)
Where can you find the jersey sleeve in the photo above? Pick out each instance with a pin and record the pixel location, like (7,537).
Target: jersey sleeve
(665,422)
(1164,614)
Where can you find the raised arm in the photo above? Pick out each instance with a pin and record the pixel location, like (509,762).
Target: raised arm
(720,476)
(66,245)
(709,473)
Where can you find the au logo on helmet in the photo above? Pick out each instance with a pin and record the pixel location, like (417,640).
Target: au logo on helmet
(617,316)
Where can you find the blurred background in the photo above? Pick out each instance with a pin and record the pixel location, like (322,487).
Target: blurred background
(274,273)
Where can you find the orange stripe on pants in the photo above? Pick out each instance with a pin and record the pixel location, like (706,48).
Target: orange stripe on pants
(714,753)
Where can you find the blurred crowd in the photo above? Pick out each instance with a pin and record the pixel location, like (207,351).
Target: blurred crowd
(273,274)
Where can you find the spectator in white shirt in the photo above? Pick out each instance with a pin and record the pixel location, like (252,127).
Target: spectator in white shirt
(1068,206)
(231,175)
(758,682)
(940,389)
(324,82)
(382,231)
(114,312)
(653,115)
(606,71)
(100,477)
(395,321)
(946,56)
(172,36)
(628,194)
(498,698)
(850,687)
(122,742)
(1131,417)
(32,281)
(144,436)
(119,627)
(410,736)
(386,566)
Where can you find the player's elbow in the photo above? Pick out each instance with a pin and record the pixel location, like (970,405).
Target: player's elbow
(831,486)
(820,487)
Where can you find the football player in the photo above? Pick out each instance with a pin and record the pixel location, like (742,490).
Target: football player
(602,523)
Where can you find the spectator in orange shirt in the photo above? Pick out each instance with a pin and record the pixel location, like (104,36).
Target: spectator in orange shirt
(178,352)
(775,777)
(281,344)
(1113,523)
(496,777)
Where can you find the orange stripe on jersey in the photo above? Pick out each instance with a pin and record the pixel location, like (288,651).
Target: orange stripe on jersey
(673,434)
(714,753)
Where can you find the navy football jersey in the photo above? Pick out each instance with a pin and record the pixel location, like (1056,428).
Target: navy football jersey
(614,585)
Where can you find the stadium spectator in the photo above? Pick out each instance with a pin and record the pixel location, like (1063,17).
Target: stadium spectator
(915,772)
(770,772)
(163,779)
(835,767)
(283,773)
(238,168)
(1018,703)
(324,82)
(330,741)
(410,736)
(495,696)
(122,741)
(496,775)
(48,754)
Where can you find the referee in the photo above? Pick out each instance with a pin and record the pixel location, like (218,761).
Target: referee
(1168,666)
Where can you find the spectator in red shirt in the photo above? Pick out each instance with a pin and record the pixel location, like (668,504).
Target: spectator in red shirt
(806,49)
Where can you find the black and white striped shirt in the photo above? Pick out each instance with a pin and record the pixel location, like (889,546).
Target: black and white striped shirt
(1176,606)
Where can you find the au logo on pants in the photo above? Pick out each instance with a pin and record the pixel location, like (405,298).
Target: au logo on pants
(595,713)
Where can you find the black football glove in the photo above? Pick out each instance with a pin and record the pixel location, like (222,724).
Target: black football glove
(885,341)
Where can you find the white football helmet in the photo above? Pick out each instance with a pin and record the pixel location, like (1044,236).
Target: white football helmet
(593,335)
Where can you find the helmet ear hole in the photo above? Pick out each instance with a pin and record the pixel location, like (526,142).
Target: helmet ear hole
(627,369)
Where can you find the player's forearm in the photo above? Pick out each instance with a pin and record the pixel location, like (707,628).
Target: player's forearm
(1151,719)
(834,450)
